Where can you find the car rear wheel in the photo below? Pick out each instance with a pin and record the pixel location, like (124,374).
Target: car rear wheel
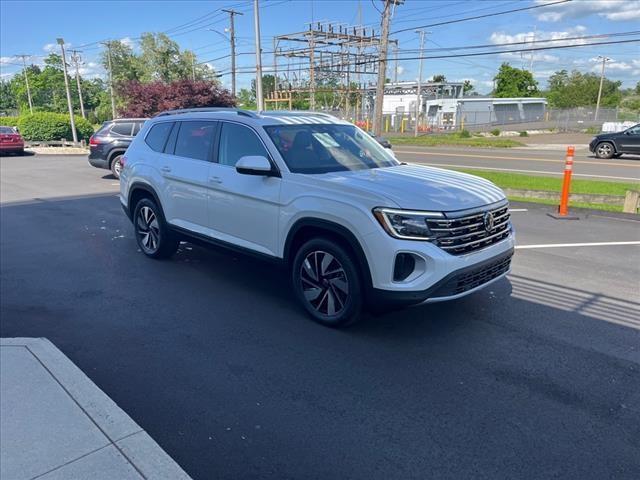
(605,150)
(326,281)
(152,232)
(116,166)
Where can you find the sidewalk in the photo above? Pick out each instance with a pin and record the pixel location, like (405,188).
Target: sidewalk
(56,424)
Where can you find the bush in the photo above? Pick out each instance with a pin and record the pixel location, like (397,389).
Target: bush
(495,132)
(524,134)
(9,121)
(47,127)
(147,99)
(465,133)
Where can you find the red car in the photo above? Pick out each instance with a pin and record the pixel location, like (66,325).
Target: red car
(11,141)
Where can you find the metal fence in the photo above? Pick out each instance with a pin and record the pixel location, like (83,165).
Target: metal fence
(563,120)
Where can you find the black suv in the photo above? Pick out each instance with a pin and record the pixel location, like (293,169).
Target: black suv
(108,144)
(607,145)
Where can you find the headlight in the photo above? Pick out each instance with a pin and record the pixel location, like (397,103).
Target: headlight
(406,224)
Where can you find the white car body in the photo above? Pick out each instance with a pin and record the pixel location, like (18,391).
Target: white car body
(258,213)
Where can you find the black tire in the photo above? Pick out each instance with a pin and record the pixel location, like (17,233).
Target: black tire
(326,282)
(617,155)
(605,150)
(116,166)
(152,233)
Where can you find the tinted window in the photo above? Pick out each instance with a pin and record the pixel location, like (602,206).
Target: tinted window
(195,139)
(136,128)
(237,141)
(157,135)
(7,130)
(320,148)
(634,130)
(122,129)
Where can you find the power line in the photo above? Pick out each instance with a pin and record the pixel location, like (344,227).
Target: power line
(481,16)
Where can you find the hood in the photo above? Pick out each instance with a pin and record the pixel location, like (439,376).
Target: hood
(418,187)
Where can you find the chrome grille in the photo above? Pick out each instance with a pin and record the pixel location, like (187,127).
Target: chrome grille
(466,234)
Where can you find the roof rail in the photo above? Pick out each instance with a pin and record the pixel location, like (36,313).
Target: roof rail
(245,113)
(285,113)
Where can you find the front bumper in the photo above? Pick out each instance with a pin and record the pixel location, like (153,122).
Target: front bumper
(437,275)
(457,284)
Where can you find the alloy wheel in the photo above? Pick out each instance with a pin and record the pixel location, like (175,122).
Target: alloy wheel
(117,168)
(604,150)
(324,283)
(148,229)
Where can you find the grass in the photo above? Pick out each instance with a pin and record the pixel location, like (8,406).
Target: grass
(455,139)
(554,184)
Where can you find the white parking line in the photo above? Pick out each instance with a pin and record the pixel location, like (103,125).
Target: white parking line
(561,245)
(518,209)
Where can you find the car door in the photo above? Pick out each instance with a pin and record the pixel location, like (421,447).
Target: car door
(243,209)
(629,141)
(185,168)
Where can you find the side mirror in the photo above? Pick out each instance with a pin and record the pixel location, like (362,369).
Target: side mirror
(254,165)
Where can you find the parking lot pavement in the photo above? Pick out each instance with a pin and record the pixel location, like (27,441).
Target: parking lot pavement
(527,162)
(536,376)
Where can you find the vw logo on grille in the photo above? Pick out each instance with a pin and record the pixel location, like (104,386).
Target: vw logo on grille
(488,221)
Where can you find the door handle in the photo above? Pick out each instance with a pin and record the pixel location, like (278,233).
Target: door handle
(215,180)
(166,169)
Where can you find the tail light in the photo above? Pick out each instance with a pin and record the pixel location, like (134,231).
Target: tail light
(123,161)
(94,140)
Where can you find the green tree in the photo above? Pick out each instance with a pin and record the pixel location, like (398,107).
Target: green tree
(467,87)
(638,88)
(577,89)
(7,98)
(514,82)
(439,78)
(125,64)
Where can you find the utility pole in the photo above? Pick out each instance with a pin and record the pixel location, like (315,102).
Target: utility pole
(232,39)
(26,79)
(419,93)
(66,84)
(75,58)
(382,65)
(113,98)
(395,67)
(312,72)
(604,61)
(256,22)
(533,42)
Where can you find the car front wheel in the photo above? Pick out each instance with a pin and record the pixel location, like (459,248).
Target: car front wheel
(152,233)
(605,150)
(326,281)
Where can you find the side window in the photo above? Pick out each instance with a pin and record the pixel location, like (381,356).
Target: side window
(170,146)
(195,139)
(123,129)
(136,128)
(634,131)
(157,136)
(237,141)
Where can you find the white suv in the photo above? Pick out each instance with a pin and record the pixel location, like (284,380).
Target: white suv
(355,226)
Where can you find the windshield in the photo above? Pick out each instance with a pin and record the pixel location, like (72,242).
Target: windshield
(318,148)
(7,130)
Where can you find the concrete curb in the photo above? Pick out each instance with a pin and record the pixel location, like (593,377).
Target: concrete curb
(130,440)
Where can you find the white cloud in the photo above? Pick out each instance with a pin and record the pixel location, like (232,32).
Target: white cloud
(400,70)
(559,38)
(6,60)
(50,47)
(614,10)
(128,42)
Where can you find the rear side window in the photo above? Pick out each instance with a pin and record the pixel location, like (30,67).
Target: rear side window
(123,129)
(136,128)
(195,140)
(237,141)
(157,136)
(104,129)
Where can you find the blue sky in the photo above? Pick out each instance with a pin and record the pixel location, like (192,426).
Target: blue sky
(31,27)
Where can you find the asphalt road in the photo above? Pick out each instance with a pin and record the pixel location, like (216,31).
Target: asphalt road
(525,161)
(538,376)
